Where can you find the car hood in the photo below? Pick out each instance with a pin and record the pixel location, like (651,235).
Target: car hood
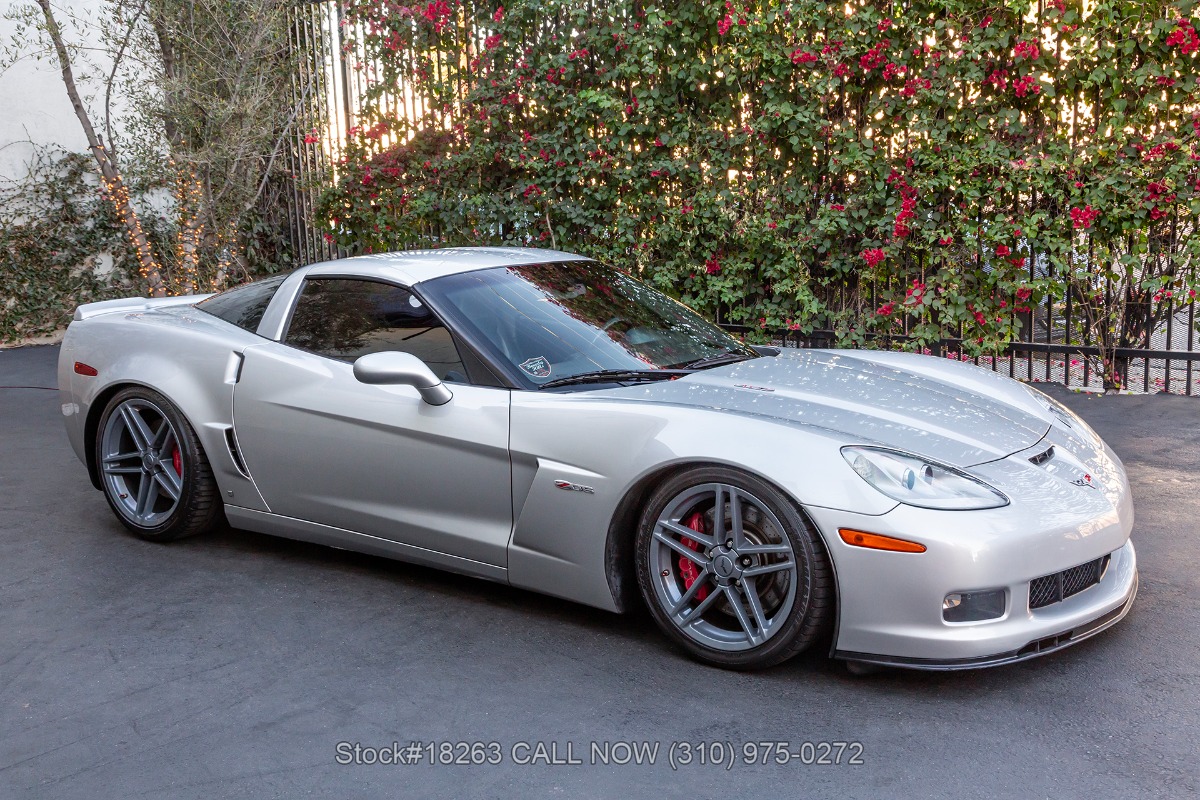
(944,410)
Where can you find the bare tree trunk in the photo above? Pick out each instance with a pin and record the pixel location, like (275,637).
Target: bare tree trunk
(111,175)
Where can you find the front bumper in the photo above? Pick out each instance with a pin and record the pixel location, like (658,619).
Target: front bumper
(890,604)
(1038,647)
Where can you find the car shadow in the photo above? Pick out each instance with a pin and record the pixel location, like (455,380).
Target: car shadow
(635,630)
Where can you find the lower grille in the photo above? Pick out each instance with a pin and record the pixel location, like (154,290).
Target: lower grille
(1050,589)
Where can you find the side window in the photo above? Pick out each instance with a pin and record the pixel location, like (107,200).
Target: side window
(345,318)
(243,306)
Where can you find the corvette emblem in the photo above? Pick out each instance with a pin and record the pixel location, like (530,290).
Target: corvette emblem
(574,487)
(538,367)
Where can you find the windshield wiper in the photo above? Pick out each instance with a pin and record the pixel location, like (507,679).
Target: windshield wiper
(616,376)
(728,357)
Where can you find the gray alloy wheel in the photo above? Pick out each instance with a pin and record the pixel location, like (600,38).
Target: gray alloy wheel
(731,569)
(152,468)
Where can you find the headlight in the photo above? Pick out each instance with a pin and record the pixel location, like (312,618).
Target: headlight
(916,481)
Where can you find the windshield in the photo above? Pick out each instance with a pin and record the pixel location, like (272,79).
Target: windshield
(552,321)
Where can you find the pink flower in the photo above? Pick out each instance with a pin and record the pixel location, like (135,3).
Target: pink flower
(884,25)
(499,15)
(724,25)
(801,56)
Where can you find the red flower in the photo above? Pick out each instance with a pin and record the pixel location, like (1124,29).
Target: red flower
(492,42)
(724,25)
(1026,50)
(884,25)
(1003,250)
(873,58)
(499,15)
(872,256)
(1026,85)
(1184,37)
(837,207)
(1083,217)
(772,225)
(801,56)
(986,21)
(712,266)
(310,138)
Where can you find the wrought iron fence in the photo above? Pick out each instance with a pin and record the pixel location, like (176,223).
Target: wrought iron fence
(1054,347)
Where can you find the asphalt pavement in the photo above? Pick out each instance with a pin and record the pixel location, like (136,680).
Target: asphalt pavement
(233,665)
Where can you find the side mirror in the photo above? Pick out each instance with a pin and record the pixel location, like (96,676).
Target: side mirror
(396,369)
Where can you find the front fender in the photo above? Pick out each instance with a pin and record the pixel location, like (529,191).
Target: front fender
(611,446)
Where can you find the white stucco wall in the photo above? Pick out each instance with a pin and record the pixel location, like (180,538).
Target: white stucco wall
(33,101)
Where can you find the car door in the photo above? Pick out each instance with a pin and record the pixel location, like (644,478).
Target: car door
(377,460)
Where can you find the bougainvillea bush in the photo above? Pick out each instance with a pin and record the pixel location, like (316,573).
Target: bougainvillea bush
(889,172)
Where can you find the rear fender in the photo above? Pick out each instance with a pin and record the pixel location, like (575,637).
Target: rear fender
(185,355)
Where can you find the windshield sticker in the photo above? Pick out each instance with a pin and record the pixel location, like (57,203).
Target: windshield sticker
(537,367)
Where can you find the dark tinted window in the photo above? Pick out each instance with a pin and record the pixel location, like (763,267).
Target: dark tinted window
(244,306)
(347,318)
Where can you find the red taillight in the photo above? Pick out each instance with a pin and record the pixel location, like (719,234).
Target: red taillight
(85,369)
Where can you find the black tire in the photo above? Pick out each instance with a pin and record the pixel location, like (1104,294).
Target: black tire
(197,509)
(792,628)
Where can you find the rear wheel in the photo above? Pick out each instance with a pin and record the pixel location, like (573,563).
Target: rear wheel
(731,570)
(152,468)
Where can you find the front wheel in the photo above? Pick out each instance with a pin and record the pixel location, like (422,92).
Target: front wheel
(731,570)
(153,470)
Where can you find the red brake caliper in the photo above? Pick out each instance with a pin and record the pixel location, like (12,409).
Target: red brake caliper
(177,461)
(687,568)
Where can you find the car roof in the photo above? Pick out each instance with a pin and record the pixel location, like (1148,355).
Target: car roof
(413,266)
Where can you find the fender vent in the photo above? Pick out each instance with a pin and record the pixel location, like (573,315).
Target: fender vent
(235,453)
(1042,458)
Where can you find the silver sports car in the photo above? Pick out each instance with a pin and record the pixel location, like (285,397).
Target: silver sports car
(539,419)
